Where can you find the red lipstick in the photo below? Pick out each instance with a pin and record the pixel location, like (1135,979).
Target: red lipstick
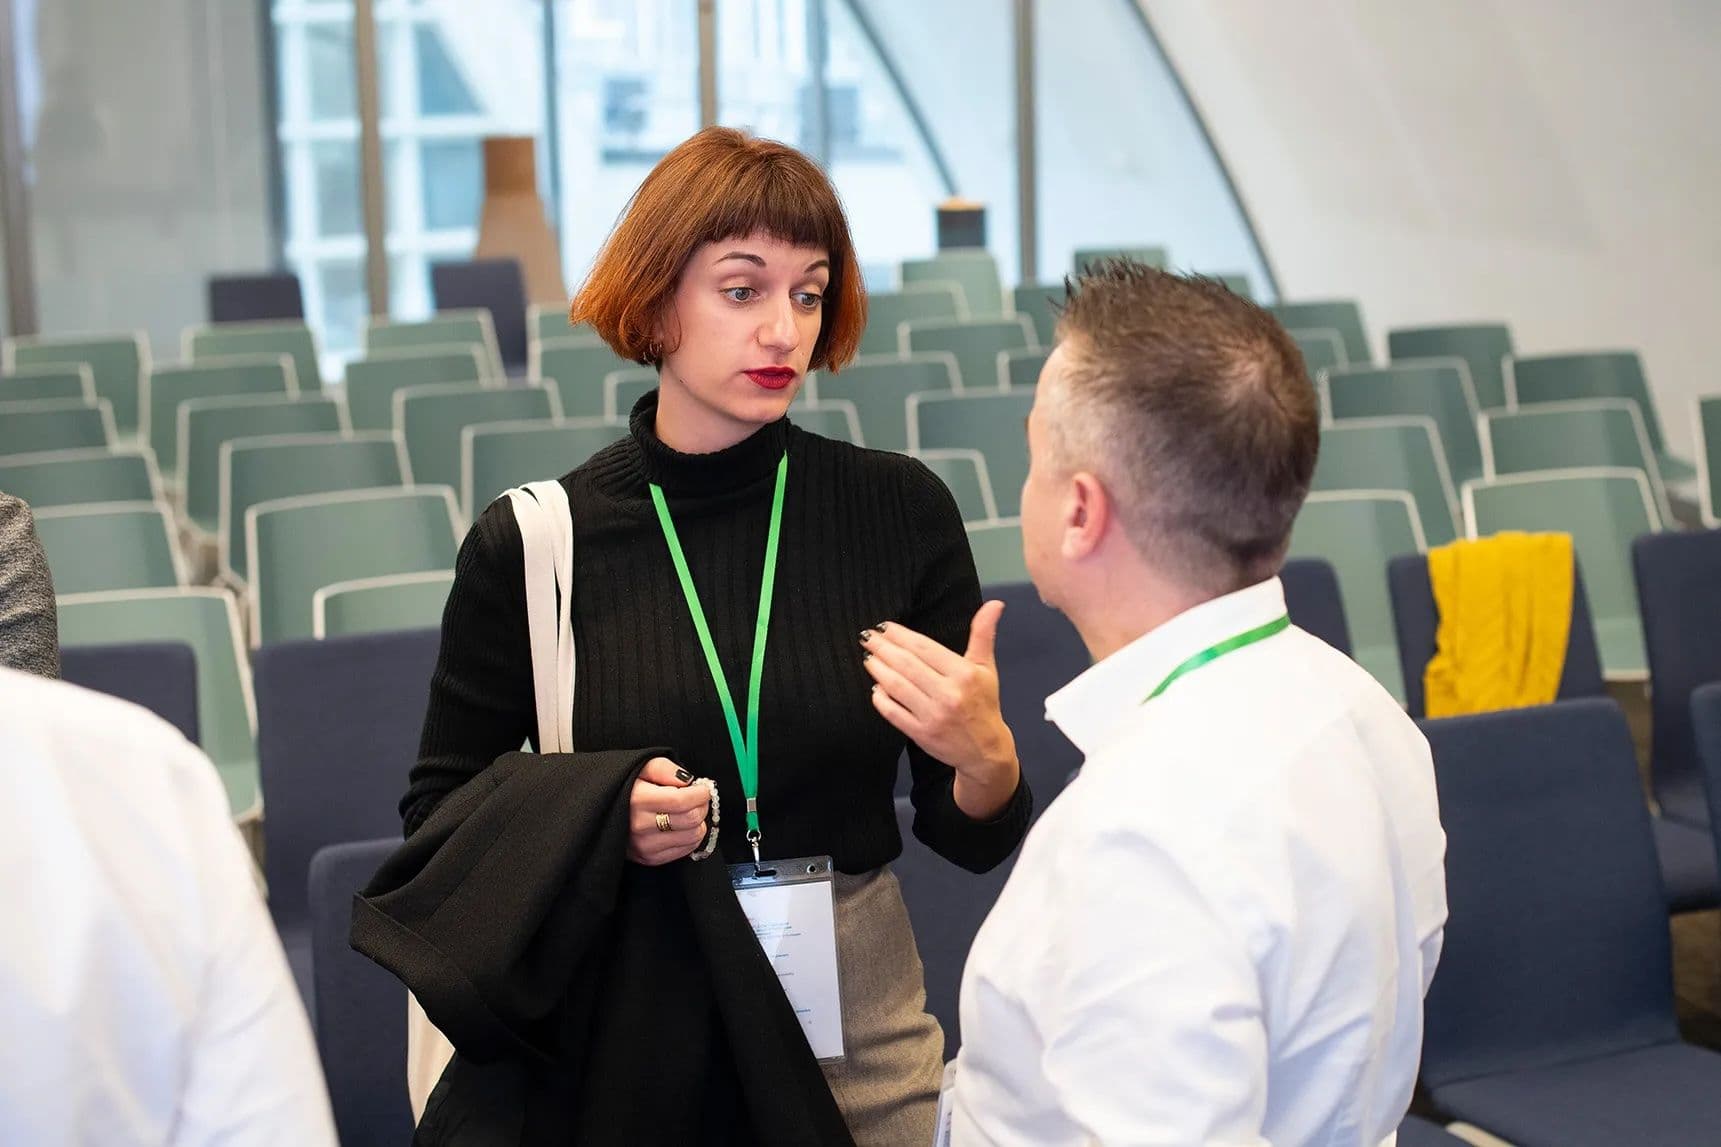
(772,377)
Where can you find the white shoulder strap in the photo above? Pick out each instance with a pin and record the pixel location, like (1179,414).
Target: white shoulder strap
(547,538)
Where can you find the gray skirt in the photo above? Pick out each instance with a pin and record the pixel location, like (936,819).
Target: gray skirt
(886,1085)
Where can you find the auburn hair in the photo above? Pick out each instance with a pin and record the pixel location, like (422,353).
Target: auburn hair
(719,184)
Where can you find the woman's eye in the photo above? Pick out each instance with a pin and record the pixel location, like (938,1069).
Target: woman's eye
(739,294)
(809,299)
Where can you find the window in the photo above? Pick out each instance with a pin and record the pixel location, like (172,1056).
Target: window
(627,90)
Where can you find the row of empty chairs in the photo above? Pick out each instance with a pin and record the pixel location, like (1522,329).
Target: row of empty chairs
(1679,615)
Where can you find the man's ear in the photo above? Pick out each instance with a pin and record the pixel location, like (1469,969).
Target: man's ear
(1087,515)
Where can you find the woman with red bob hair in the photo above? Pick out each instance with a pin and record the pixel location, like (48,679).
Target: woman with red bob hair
(715,523)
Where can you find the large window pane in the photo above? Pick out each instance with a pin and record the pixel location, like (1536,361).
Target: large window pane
(453,174)
(456,72)
(319,142)
(627,91)
(340,288)
(1123,161)
(330,79)
(145,143)
(850,116)
(337,172)
(954,62)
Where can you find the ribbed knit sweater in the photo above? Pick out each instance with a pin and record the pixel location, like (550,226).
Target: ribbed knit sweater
(867,537)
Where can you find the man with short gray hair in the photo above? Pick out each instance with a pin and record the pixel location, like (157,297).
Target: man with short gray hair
(1222,930)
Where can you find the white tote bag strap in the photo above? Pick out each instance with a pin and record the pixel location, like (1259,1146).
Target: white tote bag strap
(547,539)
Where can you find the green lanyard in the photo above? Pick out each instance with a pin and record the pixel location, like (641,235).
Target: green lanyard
(1214,653)
(746,747)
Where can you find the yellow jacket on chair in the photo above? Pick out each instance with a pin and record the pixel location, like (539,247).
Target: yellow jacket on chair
(1505,607)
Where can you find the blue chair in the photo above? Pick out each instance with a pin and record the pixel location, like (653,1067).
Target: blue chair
(1551,1018)
(338,723)
(1706,725)
(1416,621)
(255,298)
(361,1008)
(946,906)
(1677,577)
(1039,652)
(1688,870)
(159,675)
(1312,599)
(494,285)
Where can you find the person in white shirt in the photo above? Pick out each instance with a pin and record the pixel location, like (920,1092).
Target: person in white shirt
(1221,932)
(144,996)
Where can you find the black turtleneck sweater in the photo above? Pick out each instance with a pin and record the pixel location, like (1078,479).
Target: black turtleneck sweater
(867,537)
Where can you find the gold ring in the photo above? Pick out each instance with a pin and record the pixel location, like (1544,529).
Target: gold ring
(663,824)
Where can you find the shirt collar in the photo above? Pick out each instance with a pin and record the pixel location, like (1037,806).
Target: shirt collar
(1090,708)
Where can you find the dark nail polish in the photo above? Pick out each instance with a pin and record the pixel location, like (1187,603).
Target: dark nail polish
(880,626)
(683,776)
(865,636)
(867,656)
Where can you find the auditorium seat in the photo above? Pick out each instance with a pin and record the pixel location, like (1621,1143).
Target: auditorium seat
(161,676)
(116,363)
(442,331)
(498,455)
(72,382)
(1604,509)
(251,298)
(1437,391)
(296,546)
(886,311)
(1551,1018)
(1482,346)
(974,343)
(111,546)
(576,367)
(383,604)
(256,470)
(1313,602)
(207,620)
(56,424)
(1535,379)
(431,417)
(1341,316)
(992,423)
(1392,454)
(1568,436)
(76,477)
(338,723)
(879,386)
(372,381)
(974,274)
(206,424)
(360,1006)
(964,473)
(164,388)
(496,287)
(230,340)
(1358,532)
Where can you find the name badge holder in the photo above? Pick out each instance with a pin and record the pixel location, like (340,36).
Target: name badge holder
(791,905)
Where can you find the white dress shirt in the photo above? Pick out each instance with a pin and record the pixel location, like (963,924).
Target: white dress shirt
(1221,932)
(144,996)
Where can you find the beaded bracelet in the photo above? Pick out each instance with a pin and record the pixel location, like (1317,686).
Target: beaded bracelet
(712,818)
